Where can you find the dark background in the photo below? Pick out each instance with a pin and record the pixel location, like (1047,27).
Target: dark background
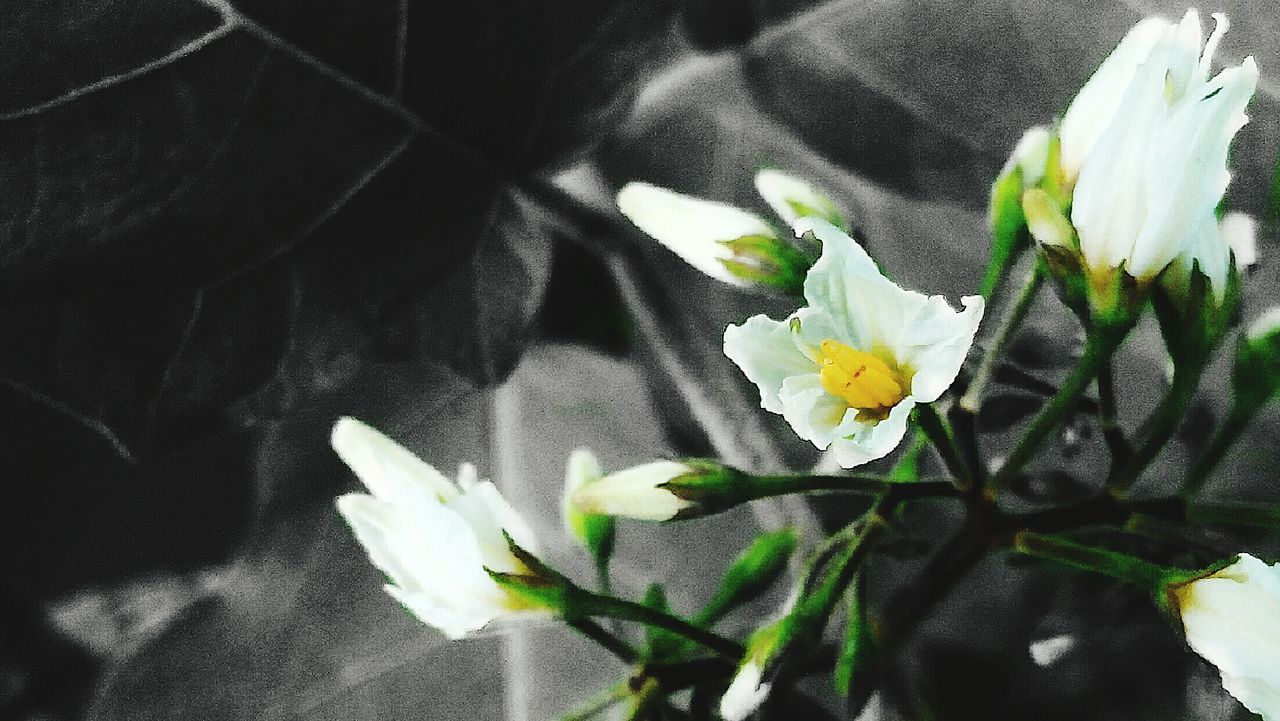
(222,225)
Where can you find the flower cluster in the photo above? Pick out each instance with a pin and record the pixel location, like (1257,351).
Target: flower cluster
(1140,161)
(1123,197)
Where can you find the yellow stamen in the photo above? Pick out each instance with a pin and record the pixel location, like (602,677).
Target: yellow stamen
(858,378)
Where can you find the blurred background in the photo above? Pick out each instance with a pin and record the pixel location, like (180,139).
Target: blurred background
(225,223)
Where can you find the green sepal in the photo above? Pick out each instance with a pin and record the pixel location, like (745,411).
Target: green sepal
(539,584)
(710,486)
(907,467)
(1175,578)
(752,573)
(1192,321)
(768,261)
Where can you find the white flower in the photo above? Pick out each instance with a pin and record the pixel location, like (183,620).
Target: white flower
(846,370)
(745,693)
(1148,135)
(432,539)
(1232,619)
(635,492)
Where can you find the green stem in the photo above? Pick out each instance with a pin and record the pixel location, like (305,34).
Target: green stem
(1232,428)
(1099,346)
(1165,419)
(767,486)
(1235,514)
(599,703)
(971,401)
(933,426)
(1068,553)
(1111,431)
(592,604)
(606,639)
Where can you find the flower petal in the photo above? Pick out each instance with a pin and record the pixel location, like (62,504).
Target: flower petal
(935,343)
(871,442)
(845,283)
(814,414)
(386,468)
(489,515)
(765,351)
(1095,105)
(745,694)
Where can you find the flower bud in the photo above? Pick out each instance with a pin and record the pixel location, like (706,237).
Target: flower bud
(725,242)
(638,492)
(1151,132)
(749,689)
(792,198)
(594,532)
(1232,618)
(1255,378)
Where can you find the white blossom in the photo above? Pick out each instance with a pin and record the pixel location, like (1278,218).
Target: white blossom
(1148,136)
(846,369)
(434,540)
(1232,619)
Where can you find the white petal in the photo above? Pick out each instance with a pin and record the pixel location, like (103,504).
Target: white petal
(935,343)
(432,558)
(871,442)
(488,514)
(845,284)
(454,622)
(634,492)
(385,467)
(1109,203)
(1031,155)
(1095,105)
(1186,172)
(786,193)
(745,694)
(374,524)
(692,228)
(767,354)
(814,414)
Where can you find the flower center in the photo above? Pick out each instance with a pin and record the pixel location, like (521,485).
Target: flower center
(858,378)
